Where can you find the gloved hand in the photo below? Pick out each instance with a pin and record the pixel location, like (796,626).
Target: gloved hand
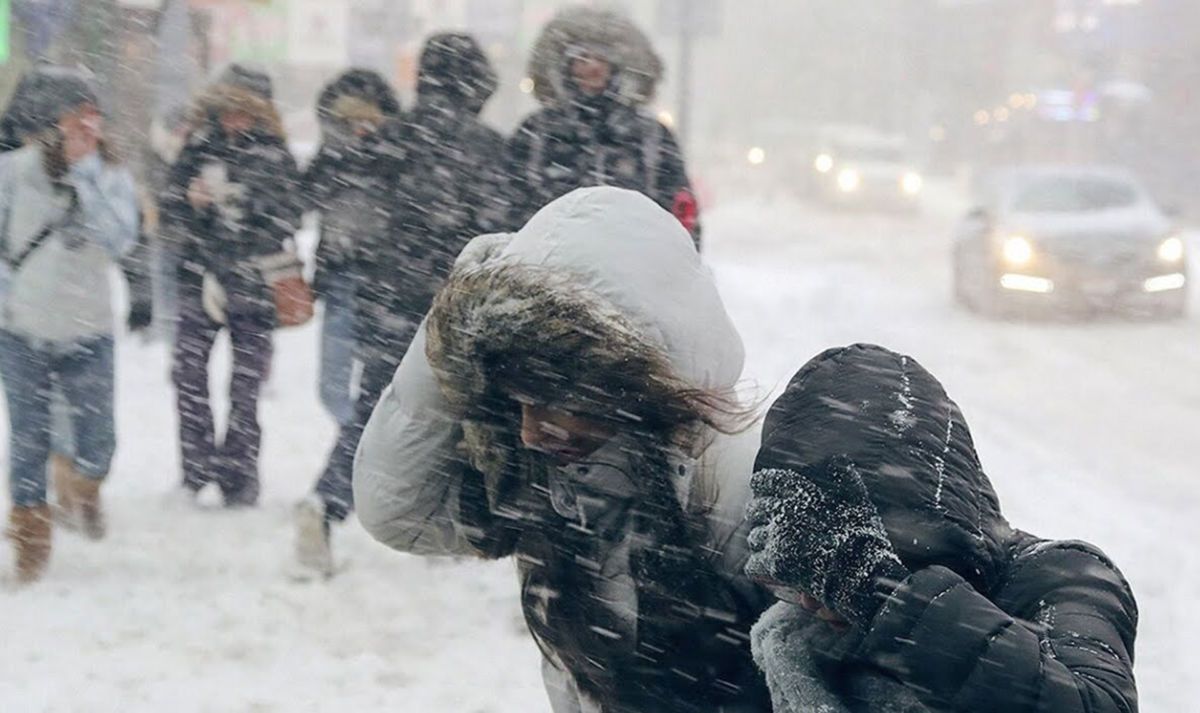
(825,540)
(141,315)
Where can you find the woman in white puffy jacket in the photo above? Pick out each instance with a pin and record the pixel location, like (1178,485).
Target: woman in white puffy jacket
(67,211)
(568,402)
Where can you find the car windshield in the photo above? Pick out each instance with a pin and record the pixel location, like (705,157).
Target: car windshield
(1074,194)
(869,153)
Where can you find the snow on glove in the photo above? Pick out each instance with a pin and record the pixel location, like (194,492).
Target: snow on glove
(826,540)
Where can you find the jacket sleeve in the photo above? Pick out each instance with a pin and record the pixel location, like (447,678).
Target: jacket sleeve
(1068,647)
(521,187)
(407,472)
(675,192)
(274,207)
(108,209)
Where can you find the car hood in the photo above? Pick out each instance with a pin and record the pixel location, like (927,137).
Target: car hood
(1142,222)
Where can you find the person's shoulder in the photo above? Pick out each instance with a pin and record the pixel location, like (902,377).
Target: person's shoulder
(1039,568)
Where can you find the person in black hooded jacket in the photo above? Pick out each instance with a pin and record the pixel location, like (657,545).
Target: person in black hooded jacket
(594,70)
(447,189)
(230,196)
(904,587)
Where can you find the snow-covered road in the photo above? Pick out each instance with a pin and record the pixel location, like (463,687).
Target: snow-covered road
(1089,431)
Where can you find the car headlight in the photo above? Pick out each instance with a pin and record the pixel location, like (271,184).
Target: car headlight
(849,180)
(912,183)
(823,163)
(1018,250)
(1171,249)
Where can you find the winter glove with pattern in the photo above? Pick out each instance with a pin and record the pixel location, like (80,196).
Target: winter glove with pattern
(826,540)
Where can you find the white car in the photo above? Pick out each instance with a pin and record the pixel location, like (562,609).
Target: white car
(1068,239)
(865,169)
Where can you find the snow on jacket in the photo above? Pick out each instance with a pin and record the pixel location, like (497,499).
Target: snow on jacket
(992,618)
(428,482)
(446,191)
(351,180)
(258,210)
(62,292)
(576,141)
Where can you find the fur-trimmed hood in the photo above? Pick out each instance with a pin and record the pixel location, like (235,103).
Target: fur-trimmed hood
(600,285)
(605,32)
(221,97)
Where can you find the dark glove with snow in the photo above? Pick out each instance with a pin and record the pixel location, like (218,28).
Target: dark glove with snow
(826,540)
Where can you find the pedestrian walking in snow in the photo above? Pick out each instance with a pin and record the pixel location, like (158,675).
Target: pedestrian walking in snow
(230,194)
(593,71)
(68,210)
(567,403)
(904,587)
(446,189)
(349,184)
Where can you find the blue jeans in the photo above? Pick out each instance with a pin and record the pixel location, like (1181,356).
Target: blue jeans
(338,328)
(83,373)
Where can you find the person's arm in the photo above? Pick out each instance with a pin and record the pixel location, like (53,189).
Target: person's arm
(675,192)
(407,471)
(107,208)
(1070,652)
(272,207)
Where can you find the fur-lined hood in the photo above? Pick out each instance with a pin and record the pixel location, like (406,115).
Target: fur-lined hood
(221,97)
(601,290)
(605,32)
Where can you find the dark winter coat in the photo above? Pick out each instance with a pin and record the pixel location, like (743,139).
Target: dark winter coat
(259,215)
(351,180)
(576,141)
(992,618)
(630,614)
(447,189)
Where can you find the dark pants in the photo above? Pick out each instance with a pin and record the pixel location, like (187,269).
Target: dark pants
(232,462)
(380,359)
(82,372)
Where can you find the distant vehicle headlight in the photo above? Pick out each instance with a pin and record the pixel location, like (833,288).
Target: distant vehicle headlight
(849,180)
(756,156)
(1018,250)
(824,163)
(912,183)
(1171,250)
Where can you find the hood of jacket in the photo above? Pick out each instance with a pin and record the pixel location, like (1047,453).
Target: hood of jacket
(893,419)
(606,33)
(600,288)
(454,68)
(354,93)
(223,96)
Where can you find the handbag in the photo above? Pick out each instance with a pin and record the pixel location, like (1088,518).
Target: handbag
(284,273)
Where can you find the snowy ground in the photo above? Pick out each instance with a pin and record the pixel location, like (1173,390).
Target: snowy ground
(1089,431)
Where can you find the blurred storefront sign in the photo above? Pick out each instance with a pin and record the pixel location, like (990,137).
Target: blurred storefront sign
(242,31)
(318,33)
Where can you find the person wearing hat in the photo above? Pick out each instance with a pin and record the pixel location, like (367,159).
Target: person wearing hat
(230,198)
(593,71)
(447,188)
(68,210)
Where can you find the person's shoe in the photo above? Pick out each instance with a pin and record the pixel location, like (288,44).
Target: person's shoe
(62,476)
(313,551)
(90,511)
(29,529)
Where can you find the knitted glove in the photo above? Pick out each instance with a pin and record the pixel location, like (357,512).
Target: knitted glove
(826,540)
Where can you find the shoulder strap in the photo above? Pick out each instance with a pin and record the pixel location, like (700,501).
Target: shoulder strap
(42,235)
(651,154)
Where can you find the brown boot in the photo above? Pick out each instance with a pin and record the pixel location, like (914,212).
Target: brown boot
(29,529)
(62,477)
(86,493)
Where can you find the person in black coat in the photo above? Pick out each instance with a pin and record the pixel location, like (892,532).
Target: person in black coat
(905,588)
(447,188)
(593,71)
(230,195)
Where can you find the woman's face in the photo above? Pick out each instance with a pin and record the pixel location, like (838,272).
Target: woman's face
(564,435)
(591,74)
(235,123)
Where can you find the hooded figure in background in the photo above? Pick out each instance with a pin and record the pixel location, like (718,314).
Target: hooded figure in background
(230,195)
(445,190)
(593,71)
(904,587)
(568,403)
(349,183)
